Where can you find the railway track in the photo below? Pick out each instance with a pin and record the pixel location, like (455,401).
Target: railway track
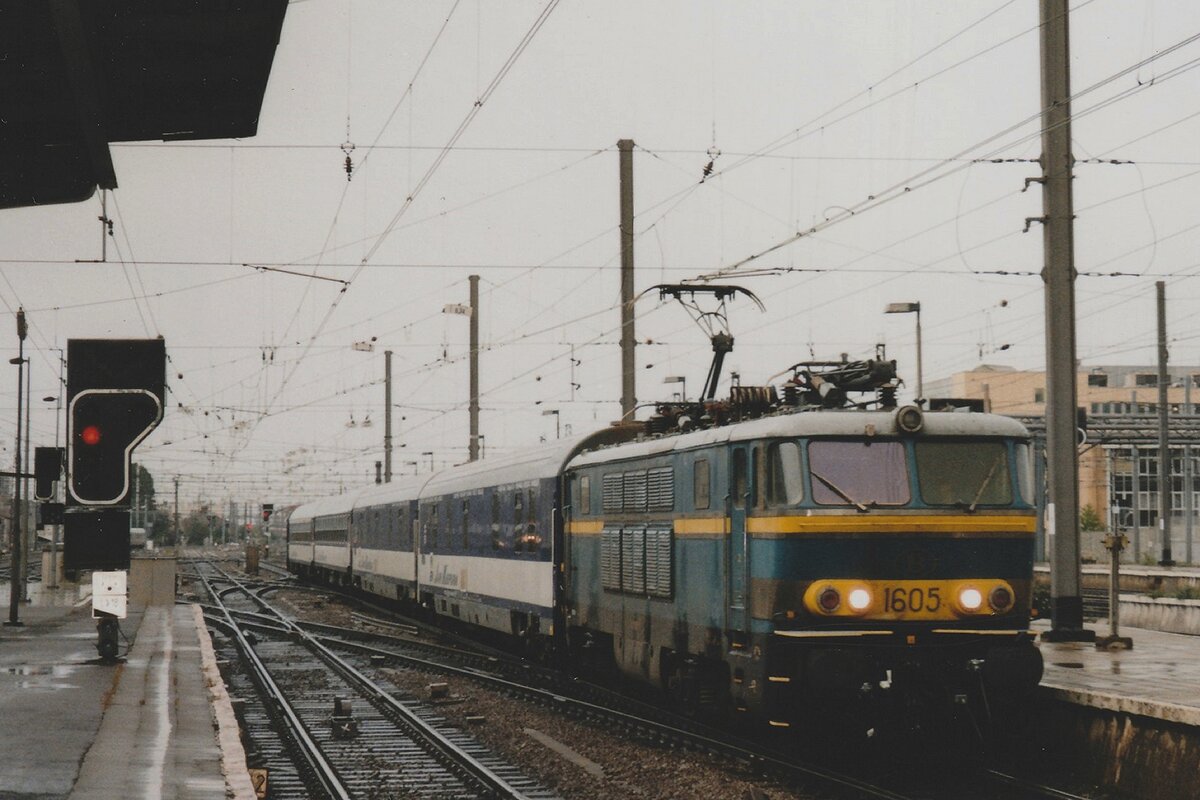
(346,733)
(403,646)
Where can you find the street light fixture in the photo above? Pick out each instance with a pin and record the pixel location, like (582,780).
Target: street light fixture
(909,308)
(680,379)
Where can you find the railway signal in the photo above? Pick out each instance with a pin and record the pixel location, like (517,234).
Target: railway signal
(115,393)
(105,426)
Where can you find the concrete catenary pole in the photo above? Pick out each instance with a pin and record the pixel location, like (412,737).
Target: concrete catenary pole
(18,565)
(628,342)
(1164,441)
(387,416)
(473,445)
(1058,275)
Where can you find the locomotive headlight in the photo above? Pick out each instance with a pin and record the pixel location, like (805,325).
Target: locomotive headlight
(970,598)
(829,599)
(910,420)
(859,599)
(1000,599)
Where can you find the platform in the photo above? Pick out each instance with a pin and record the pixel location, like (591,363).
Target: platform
(157,725)
(1159,678)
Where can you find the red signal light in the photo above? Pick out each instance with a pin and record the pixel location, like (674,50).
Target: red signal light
(90,435)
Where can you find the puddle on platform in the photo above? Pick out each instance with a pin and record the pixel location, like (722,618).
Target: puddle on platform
(42,677)
(41,596)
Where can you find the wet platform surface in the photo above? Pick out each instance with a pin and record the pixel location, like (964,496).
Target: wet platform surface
(75,727)
(1159,677)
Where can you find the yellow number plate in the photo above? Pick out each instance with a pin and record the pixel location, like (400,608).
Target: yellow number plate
(913,600)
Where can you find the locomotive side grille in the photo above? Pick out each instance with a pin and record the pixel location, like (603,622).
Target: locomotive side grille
(661,489)
(633,560)
(658,561)
(610,558)
(635,490)
(613,492)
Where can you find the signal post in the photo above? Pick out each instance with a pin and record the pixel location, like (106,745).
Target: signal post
(115,398)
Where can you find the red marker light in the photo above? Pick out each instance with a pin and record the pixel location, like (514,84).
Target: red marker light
(90,435)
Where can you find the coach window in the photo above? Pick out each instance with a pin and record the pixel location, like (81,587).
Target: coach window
(785,486)
(585,494)
(531,539)
(700,483)
(497,539)
(518,519)
(466,521)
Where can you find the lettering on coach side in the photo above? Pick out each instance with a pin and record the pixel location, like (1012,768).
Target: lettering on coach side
(442,576)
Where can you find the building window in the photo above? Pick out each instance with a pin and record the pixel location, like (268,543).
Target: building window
(1145,379)
(1097,379)
(1039,395)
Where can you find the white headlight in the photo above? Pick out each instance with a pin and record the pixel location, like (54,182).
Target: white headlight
(970,599)
(859,599)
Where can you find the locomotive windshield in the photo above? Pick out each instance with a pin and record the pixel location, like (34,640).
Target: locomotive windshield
(858,473)
(964,474)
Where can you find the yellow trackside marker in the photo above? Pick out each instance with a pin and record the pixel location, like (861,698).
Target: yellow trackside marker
(778,724)
(779,679)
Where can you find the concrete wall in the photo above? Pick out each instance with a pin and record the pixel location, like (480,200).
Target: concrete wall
(151,581)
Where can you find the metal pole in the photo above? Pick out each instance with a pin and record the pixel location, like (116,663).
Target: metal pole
(473,445)
(30,527)
(14,582)
(177,538)
(920,373)
(628,367)
(54,529)
(1189,502)
(1058,275)
(387,416)
(1137,504)
(1164,441)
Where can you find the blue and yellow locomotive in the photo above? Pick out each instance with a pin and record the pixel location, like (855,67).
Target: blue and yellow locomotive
(774,559)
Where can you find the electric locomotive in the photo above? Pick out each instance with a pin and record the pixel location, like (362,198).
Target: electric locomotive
(869,566)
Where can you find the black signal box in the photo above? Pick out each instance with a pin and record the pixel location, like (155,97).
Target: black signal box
(96,539)
(116,364)
(115,393)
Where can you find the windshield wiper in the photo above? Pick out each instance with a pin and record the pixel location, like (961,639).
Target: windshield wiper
(986,480)
(840,492)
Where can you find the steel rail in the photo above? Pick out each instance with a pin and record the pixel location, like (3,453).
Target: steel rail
(309,749)
(459,759)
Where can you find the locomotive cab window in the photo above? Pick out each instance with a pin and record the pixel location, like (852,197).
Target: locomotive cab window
(585,495)
(858,474)
(739,478)
(964,474)
(785,483)
(700,483)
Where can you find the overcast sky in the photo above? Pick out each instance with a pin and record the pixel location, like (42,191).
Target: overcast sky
(814,107)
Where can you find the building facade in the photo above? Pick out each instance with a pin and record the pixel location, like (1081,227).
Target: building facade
(1115,476)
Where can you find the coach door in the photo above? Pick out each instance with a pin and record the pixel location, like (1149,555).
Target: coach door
(737,544)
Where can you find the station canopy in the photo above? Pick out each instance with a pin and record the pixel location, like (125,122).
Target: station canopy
(76,75)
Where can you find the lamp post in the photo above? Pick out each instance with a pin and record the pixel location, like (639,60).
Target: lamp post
(557,421)
(57,400)
(18,567)
(682,380)
(909,308)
